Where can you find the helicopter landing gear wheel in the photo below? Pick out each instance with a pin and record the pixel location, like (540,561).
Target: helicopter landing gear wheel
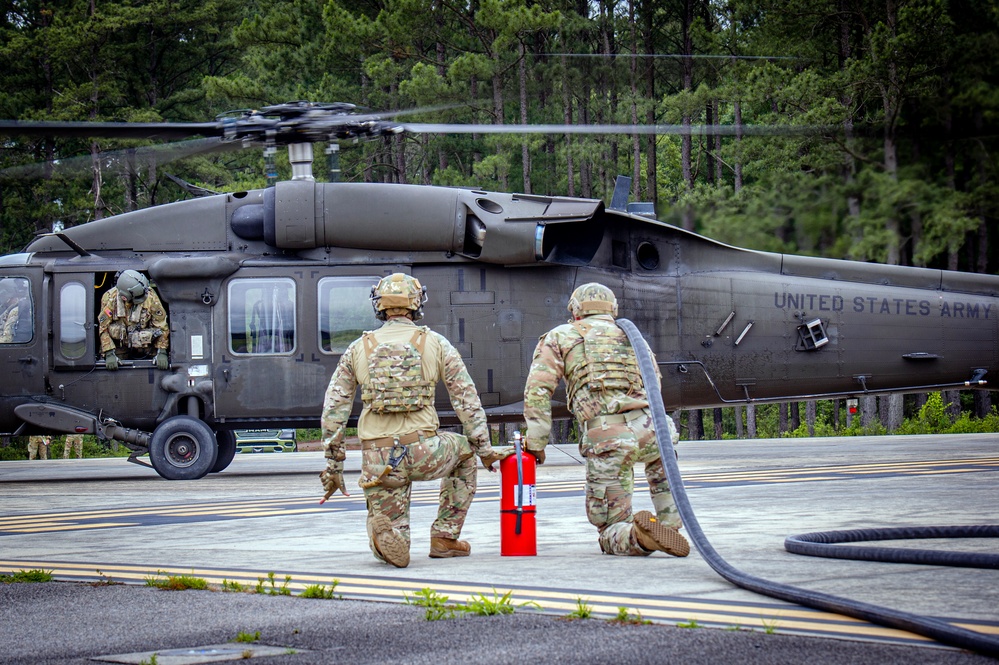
(183,448)
(226,440)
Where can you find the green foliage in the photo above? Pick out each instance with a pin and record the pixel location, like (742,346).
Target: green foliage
(436,605)
(583,610)
(875,192)
(689,624)
(247,637)
(17,448)
(270,586)
(483,606)
(175,582)
(934,419)
(27,576)
(106,580)
(231,586)
(623,616)
(321,591)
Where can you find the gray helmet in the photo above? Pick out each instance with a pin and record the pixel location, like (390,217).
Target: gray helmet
(133,286)
(398,291)
(592,298)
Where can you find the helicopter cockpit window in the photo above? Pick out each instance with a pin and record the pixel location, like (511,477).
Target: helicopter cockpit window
(262,316)
(344,311)
(73,320)
(16,314)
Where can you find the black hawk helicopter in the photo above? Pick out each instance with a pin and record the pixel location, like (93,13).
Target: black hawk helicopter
(264,289)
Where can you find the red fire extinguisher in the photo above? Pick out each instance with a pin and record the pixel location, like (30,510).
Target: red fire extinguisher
(518,534)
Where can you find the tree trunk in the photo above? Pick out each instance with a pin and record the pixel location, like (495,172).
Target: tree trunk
(719,426)
(810,414)
(868,410)
(570,174)
(751,420)
(525,153)
(695,423)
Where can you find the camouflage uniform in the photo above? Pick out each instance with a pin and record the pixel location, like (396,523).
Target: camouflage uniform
(39,446)
(73,441)
(134,331)
(15,319)
(433,455)
(8,322)
(608,400)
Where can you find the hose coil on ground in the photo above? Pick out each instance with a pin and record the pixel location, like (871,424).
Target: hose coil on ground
(933,628)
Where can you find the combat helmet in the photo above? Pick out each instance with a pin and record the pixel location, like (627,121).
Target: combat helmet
(133,286)
(398,292)
(590,299)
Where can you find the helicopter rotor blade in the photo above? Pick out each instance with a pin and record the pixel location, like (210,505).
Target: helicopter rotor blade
(692,130)
(124,130)
(118,160)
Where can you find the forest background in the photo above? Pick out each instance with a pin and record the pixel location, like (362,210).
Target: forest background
(860,129)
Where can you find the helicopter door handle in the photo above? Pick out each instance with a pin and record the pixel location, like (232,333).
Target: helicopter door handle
(27,360)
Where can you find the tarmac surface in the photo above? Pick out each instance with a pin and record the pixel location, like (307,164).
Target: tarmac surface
(104,527)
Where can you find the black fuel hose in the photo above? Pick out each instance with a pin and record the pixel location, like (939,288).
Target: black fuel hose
(822,543)
(936,629)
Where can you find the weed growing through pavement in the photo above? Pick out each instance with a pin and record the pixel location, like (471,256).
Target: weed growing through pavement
(624,617)
(232,586)
(435,604)
(247,637)
(274,589)
(27,576)
(583,610)
(176,582)
(321,591)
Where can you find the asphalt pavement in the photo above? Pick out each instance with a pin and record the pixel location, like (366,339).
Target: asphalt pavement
(104,527)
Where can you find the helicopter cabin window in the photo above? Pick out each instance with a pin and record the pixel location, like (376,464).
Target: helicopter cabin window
(72,320)
(262,316)
(344,311)
(16,313)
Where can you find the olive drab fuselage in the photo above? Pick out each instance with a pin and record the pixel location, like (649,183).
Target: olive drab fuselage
(727,325)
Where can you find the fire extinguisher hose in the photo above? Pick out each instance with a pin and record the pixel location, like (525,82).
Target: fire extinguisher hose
(933,628)
(520,485)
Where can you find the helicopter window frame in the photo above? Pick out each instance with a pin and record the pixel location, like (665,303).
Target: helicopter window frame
(344,310)
(23,285)
(262,316)
(73,320)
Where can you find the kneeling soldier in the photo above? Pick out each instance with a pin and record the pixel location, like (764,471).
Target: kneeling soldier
(398,367)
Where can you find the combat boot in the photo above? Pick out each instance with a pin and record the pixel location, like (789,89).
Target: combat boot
(392,546)
(443,548)
(654,536)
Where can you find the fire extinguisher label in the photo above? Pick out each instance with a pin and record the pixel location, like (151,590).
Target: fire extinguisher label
(530,496)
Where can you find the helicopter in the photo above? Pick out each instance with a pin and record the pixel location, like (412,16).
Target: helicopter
(264,290)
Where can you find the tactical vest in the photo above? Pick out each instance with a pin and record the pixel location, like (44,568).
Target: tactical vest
(608,361)
(395,375)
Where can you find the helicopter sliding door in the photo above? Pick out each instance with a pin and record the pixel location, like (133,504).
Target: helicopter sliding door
(22,337)
(284,331)
(73,344)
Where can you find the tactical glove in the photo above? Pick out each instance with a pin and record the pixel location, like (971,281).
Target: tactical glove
(111,360)
(161,359)
(495,455)
(539,455)
(332,479)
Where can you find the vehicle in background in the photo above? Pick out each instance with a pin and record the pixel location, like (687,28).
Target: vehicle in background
(266,440)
